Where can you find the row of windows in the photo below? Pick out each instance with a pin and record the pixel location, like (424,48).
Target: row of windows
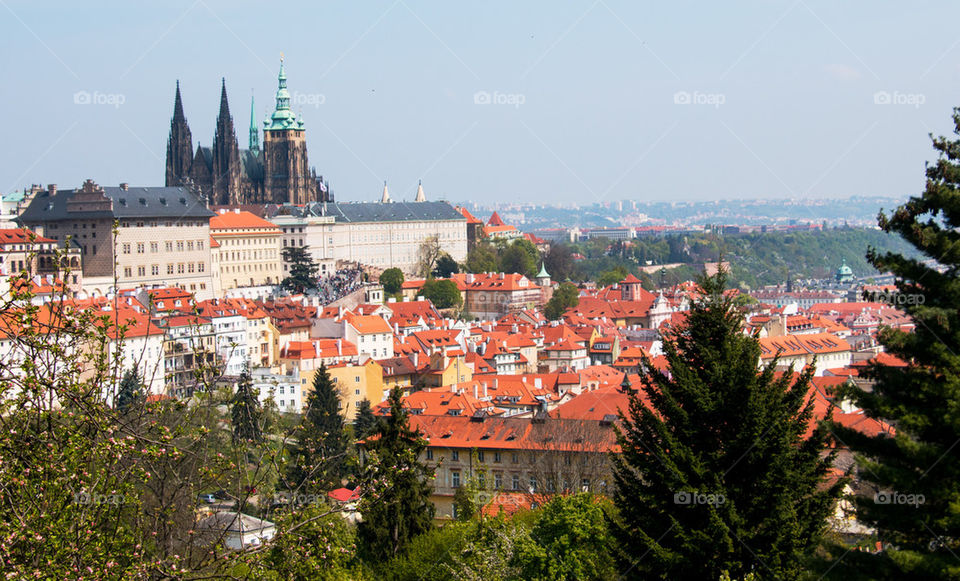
(533,483)
(481,456)
(169,245)
(179,268)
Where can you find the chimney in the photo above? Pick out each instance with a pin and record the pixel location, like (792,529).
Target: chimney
(494,383)
(124,186)
(339,347)
(485,390)
(236,210)
(415,357)
(476,391)
(52,188)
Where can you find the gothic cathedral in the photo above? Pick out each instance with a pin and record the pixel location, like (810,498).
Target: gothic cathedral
(225,174)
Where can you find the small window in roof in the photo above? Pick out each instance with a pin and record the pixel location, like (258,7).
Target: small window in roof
(123,201)
(183,201)
(143,201)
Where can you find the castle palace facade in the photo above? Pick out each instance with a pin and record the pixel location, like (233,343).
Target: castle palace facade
(277,173)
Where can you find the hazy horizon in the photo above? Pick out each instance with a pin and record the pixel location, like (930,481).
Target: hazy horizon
(534,103)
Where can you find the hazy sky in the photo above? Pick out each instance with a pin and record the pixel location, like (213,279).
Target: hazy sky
(496,101)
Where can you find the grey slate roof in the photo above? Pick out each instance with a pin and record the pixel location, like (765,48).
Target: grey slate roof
(376,211)
(152,202)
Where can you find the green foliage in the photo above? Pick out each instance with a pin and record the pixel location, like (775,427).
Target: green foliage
(559,263)
(570,540)
(312,542)
(302,273)
(918,463)
(130,393)
(245,413)
(520,257)
(445,266)
(319,455)
(612,276)
(365,423)
(566,296)
(444,294)
(397,508)
(483,258)
(717,473)
(392,280)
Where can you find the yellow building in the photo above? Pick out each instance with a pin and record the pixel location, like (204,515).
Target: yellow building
(354,382)
(249,249)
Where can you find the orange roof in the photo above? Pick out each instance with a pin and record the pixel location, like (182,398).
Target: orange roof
(471,219)
(495,220)
(22,235)
(240,221)
(367,324)
(515,433)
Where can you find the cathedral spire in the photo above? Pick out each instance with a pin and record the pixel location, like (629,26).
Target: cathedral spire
(224,105)
(179,145)
(283,117)
(385,198)
(420,195)
(254,132)
(178,115)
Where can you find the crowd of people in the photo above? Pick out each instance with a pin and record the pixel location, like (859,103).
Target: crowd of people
(335,286)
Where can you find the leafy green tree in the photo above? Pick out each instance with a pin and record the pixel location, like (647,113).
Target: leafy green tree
(365,423)
(311,542)
(319,455)
(612,276)
(444,294)
(445,266)
(912,475)
(559,262)
(398,509)
(520,257)
(571,540)
(717,473)
(246,413)
(565,297)
(392,280)
(483,258)
(302,270)
(130,393)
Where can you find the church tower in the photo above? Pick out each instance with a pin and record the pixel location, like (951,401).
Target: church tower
(287,175)
(179,145)
(226,156)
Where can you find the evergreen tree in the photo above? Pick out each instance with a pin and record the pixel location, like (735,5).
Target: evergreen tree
(717,471)
(302,269)
(445,266)
(319,454)
(913,494)
(365,423)
(245,412)
(130,392)
(399,509)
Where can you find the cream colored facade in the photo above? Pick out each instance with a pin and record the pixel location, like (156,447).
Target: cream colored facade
(248,252)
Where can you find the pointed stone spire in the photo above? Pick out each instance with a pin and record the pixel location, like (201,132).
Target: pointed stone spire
(254,131)
(420,196)
(224,105)
(178,106)
(179,145)
(385,198)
